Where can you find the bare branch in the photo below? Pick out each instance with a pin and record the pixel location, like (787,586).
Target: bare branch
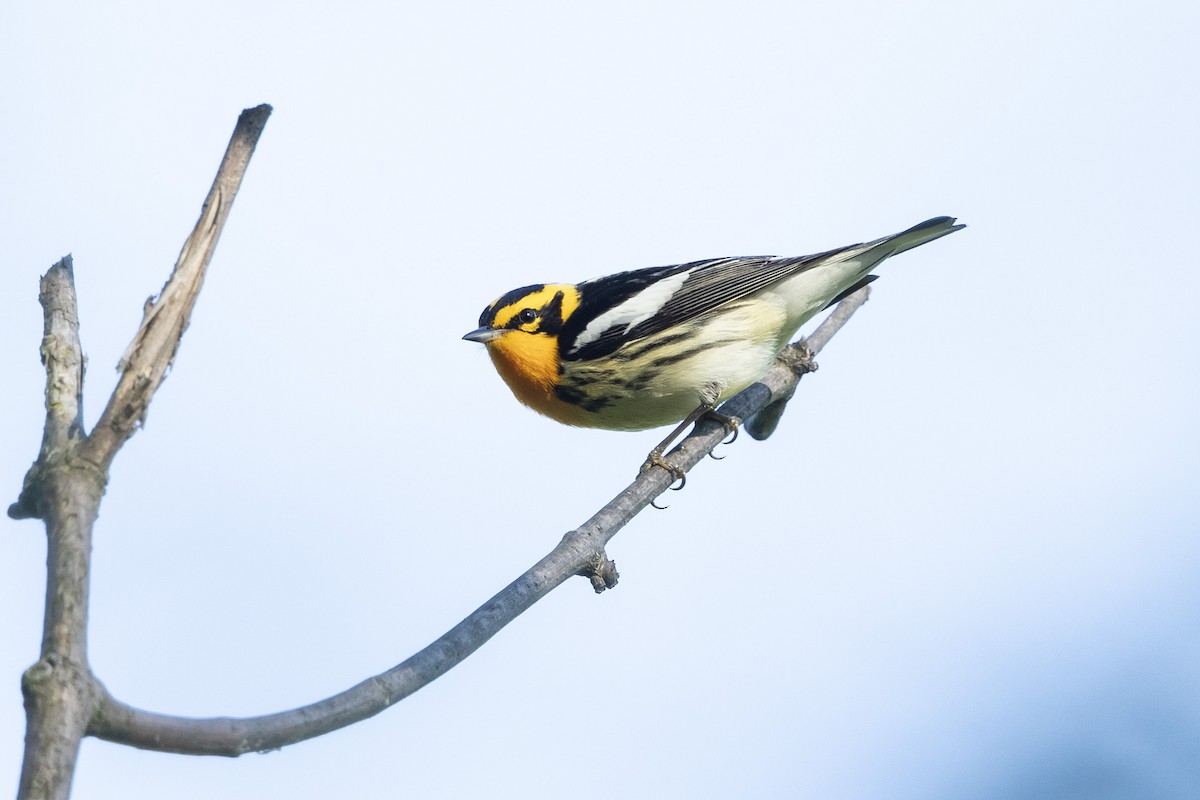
(164,320)
(581,552)
(66,483)
(62,355)
(59,689)
(225,736)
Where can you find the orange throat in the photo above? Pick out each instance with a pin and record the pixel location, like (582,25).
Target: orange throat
(528,363)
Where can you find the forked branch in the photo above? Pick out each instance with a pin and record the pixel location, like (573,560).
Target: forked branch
(66,482)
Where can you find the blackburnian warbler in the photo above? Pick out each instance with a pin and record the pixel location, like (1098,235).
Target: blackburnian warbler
(650,347)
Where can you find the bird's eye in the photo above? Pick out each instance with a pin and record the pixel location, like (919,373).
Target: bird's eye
(527,315)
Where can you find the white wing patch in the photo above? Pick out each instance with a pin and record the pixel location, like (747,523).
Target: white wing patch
(639,308)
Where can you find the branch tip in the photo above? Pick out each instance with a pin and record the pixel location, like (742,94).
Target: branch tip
(150,355)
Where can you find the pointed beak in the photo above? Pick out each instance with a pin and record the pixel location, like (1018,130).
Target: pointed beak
(483,335)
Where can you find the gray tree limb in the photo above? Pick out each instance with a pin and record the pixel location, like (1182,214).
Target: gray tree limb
(66,482)
(58,688)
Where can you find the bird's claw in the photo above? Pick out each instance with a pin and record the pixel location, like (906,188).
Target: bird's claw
(655,459)
(732,425)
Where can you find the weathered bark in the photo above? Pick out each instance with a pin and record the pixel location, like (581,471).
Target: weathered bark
(66,494)
(66,482)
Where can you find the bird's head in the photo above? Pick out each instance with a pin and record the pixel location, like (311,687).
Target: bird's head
(521,330)
(539,310)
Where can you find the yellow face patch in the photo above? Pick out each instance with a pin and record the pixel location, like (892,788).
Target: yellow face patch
(526,351)
(528,363)
(539,302)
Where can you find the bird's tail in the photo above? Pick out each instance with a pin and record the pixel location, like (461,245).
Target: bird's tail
(862,258)
(915,236)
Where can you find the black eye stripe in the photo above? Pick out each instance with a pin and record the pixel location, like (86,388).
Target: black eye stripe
(488,317)
(546,319)
(552,319)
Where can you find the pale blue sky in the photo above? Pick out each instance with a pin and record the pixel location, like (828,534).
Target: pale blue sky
(966,564)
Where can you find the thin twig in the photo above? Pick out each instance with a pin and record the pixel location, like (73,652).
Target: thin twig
(580,552)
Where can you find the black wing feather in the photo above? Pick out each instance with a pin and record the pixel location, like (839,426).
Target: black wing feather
(599,295)
(713,283)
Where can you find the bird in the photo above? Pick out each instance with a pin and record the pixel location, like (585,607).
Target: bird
(650,347)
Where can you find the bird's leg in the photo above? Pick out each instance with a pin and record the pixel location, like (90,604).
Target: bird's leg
(655,459)
(710,395)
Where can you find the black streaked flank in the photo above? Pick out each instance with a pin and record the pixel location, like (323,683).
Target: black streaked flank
(675,358)
(645,376)
(638,350)
(575,396)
